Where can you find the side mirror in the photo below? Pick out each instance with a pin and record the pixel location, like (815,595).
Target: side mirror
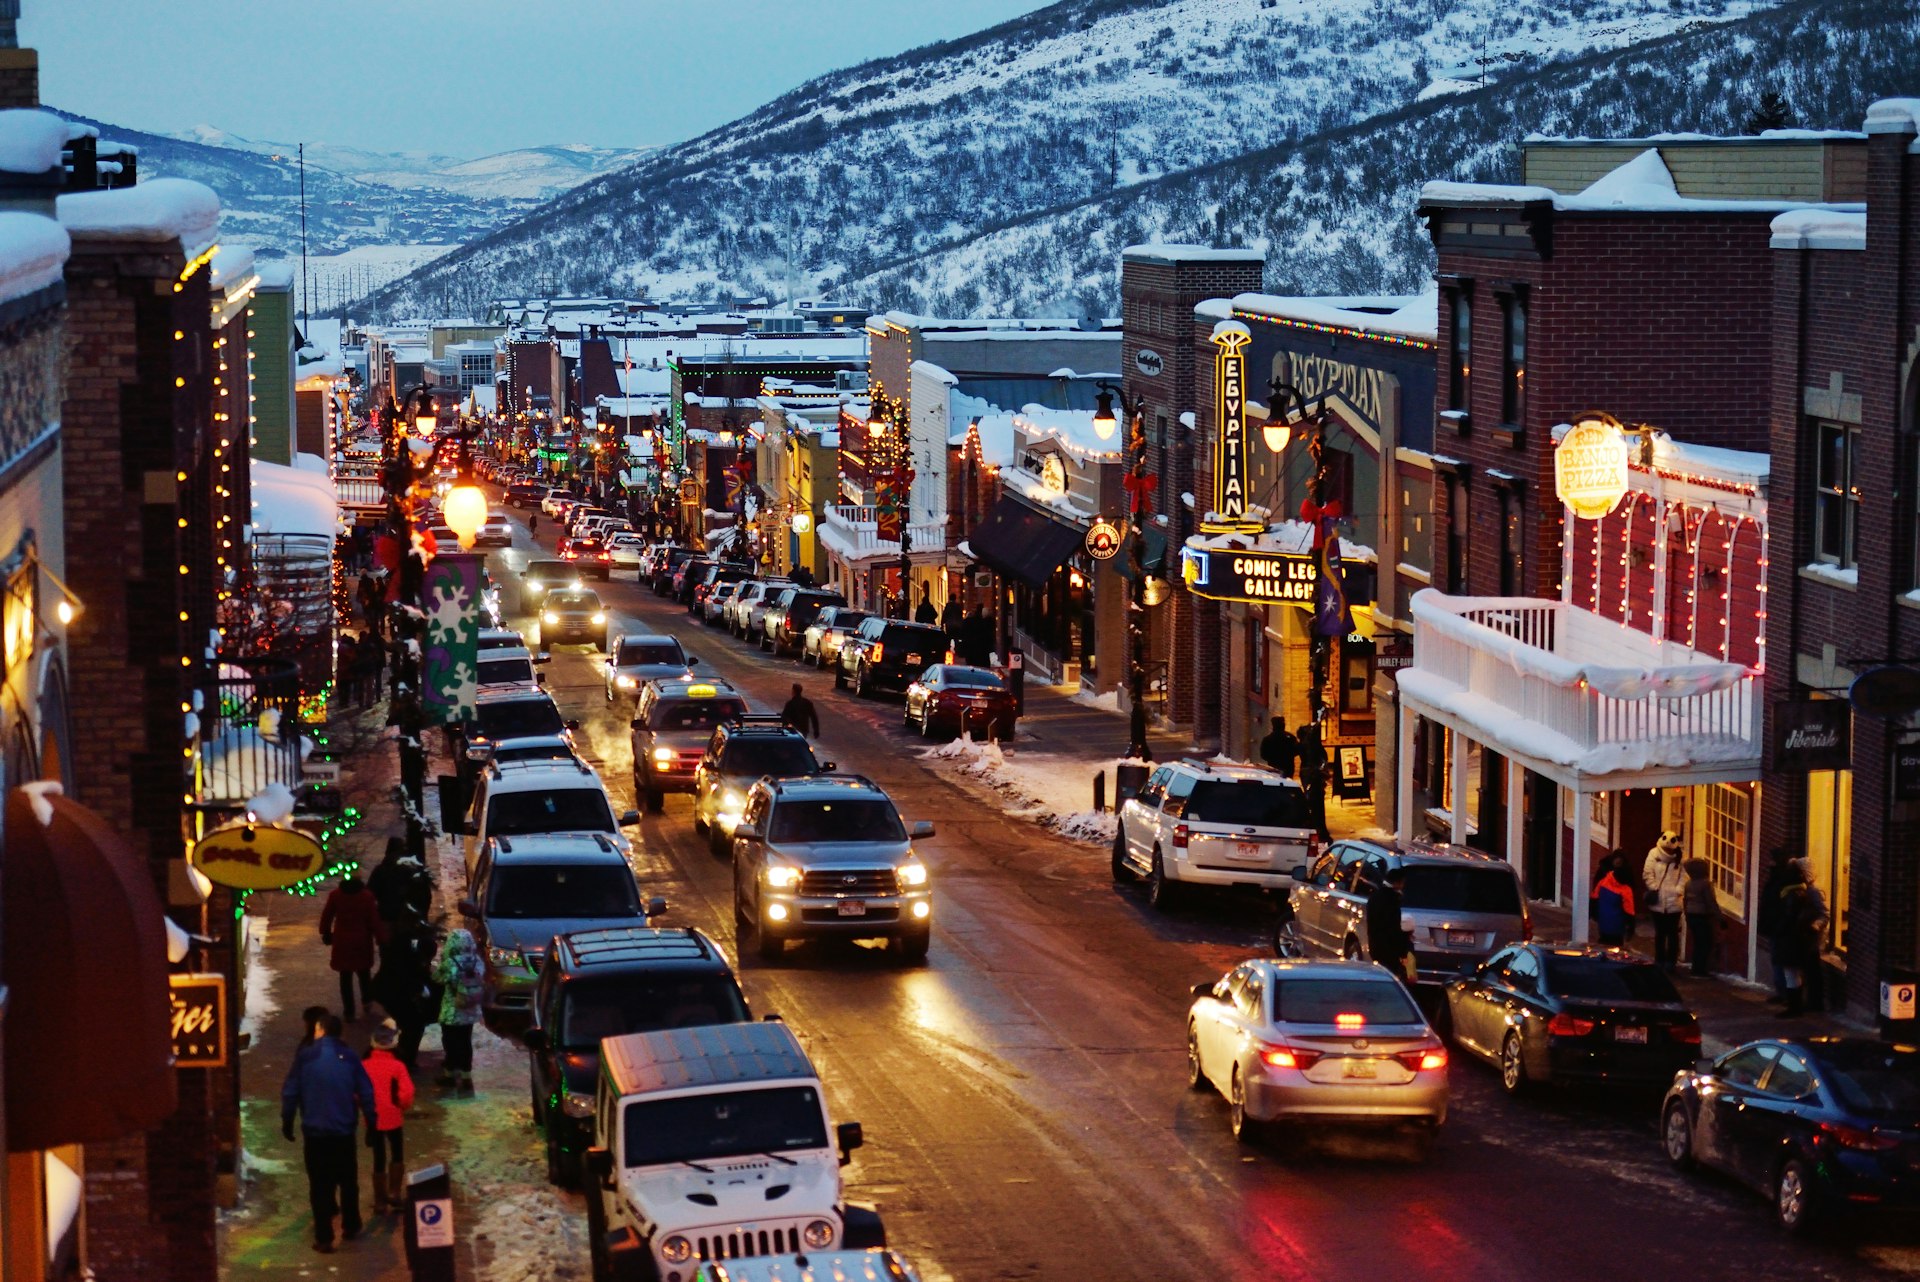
(573,723)
(655,907)
(1202,990)
(469,909)
(692,659)
(479,752)
(746,832)
(771,1018)
(1299,873)
(850,1138)
(540,679)
(543,657)
(635,724)
(534,1039)
(921,828)
(628,818)
(1703,1065)
(828,767)
(599,1163)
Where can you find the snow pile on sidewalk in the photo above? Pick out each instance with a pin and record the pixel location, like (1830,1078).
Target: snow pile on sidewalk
(1052,791)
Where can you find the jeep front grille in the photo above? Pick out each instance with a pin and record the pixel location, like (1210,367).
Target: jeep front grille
(750,1242)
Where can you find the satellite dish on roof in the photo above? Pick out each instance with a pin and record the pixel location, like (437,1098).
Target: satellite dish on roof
(1889,693)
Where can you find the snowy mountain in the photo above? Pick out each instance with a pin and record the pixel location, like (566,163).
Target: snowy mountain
(529,173)
(1335,213)
(865,169)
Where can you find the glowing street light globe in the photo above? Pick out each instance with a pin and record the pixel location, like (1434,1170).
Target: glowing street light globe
(465,511)
(802,522)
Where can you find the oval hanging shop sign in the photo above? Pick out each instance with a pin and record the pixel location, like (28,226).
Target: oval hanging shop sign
(257,857)
(1590,467)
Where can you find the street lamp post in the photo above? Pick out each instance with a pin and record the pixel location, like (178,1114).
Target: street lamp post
(1139,483)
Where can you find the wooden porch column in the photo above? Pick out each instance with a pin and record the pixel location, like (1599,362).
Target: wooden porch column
(1516,816)
(1457,790)
(1582,861)
(1403,769)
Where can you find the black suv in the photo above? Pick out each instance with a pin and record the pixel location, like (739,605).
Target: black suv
(542,577)
(666,563)
(605,983)
(888,654)
(744,749)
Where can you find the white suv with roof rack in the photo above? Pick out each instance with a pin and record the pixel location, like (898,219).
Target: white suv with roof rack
(524,798)
(1211,823)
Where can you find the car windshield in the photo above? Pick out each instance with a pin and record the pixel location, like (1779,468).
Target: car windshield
(613,1007)
(582,891)
(1873,1079)
(1462,889)
(695,714)
(572,601)
(538,750)
(646,652)
(549,570)
(920,641)
(848,620)
(862,819)
(1323,1001)
(696,1128)
(515,814)
(1251,805)
(777,757)
(972,679)
(1599,979)
(505,671)
(517,718)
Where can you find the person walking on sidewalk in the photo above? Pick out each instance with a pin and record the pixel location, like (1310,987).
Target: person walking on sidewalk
(952,620)
(1780,874)
(1703,915)
(1666,883)
(1613,902)
(1813,981)
(799,714)
(399,883)
(328,1090)
(1280,750)
(924,612)
(387,1137)
(403,986)
(1801,922)
(1387,940)
(350,925)
(463,975)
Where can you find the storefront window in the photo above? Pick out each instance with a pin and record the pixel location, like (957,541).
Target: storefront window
(1830,846)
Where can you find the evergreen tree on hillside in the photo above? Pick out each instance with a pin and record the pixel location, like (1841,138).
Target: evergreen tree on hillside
(1771,112)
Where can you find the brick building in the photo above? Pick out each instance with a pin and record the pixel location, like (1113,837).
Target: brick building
(1160,285)
(1845,563)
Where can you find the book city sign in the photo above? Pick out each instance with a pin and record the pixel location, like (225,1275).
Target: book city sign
(1226,574)
(247,856)
(1230,480)
(1590,466)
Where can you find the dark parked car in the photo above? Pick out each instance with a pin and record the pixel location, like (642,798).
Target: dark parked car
(1571,1014)
(950,698)
(523,495)
(606,983)
(713,575)
(665,564)
(785,623)
(1821,1125)
(887,654)
(542,577)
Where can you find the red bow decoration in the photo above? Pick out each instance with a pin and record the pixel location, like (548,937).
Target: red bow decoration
(1321,518)
(1140,487)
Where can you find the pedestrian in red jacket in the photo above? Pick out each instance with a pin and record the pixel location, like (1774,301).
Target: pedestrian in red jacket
(392,1097)
(350,924)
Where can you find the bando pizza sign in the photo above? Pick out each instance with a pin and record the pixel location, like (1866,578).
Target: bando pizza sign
(1590,467)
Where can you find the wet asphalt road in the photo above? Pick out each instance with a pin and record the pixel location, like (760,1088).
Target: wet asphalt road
(1023,1093)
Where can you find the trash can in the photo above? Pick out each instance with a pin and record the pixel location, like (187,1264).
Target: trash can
(429,1233)
(1899,1018)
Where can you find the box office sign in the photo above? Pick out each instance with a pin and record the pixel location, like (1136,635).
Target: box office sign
(1812,734)
(197,1010)
(1222,574)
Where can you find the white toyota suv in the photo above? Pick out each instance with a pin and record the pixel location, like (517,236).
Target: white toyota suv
(525,798)
(1210,823)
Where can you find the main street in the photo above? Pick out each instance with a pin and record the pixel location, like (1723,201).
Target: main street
(1023,1093)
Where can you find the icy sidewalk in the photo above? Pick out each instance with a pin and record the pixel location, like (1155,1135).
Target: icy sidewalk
(1046,772)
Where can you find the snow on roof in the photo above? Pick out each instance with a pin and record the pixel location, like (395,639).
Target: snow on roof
(996,427)
(643,381)
(230,263)
(1641,184)
(928,369)
(33,250)
(486,399)
(632,406)
(1776,135)
(1405,315)
(1451,193)
(291,500)
(1819,229)
(275,275)
(1216,309)
(31,141)
(1073,430)
(158,209)
(1894,116)
(1189,254)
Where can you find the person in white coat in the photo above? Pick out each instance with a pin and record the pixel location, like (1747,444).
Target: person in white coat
(1666,882)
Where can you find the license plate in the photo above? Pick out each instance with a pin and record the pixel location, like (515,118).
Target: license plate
(1361,1068)
(913,658)
(1629,1034)
(1462,939)
(853,908)
(1248,850)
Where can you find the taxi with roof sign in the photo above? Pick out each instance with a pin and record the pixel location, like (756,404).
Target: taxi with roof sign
(673,720)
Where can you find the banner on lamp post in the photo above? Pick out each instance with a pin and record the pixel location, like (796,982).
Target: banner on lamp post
(450,664)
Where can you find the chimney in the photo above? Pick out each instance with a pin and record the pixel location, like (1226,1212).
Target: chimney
(19,68)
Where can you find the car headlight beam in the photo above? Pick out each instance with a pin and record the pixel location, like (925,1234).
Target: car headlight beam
(782,877)
(577,1104)
(913,874)
(818,1234)
(663,756)
(676,1249)
(549,616)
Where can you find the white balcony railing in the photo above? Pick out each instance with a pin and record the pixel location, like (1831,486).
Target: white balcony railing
(854,530)
(1541,677)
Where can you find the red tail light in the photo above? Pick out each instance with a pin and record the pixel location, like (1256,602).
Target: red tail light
(606,556)
(1685,1034)
(1288,1057)
(1313,849)
(1349,1023)
(1855,1137)
(1569,1026)
(1180,833)
(1427,1059)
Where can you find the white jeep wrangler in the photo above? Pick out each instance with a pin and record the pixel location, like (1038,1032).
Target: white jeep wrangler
(713,1144)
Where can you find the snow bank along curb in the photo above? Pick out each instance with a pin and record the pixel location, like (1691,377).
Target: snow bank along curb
(1040,787)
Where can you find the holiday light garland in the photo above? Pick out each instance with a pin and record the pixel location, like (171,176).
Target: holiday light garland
(1336,331)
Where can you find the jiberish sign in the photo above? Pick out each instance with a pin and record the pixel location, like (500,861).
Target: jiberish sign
(1812,734)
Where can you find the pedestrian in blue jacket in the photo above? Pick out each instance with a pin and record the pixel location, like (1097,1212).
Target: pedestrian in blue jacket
(329,1089)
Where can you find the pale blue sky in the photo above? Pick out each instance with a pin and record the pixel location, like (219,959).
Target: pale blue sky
(464,77)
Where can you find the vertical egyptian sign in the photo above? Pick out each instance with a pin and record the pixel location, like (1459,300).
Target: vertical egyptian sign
(1230,427)
(450,666)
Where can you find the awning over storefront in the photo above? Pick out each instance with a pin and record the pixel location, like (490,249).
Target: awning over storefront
(1023,543)
(88,1052)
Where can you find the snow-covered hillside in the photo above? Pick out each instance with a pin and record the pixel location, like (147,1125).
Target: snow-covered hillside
(861,169)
